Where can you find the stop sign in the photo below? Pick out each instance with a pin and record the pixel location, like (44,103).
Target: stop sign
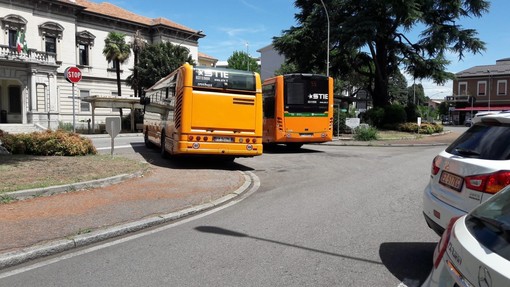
(72,74)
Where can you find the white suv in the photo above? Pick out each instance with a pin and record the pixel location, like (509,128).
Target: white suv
(469,171)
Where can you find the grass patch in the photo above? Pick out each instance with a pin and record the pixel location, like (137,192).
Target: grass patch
(396,135)
(20,172)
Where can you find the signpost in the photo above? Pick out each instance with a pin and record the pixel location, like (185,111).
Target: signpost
(73,75)
(112,126)
(352,123)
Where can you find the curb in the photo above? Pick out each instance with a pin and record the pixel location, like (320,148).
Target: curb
(13,258)
(51,190)
(381,143)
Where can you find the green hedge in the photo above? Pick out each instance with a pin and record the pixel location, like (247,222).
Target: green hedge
(365,133)
(426,128)
(48,142)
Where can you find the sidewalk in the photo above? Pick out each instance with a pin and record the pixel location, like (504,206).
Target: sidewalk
(46,225)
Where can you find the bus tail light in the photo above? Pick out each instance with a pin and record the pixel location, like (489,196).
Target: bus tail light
(254,140)
(198,138)
(489,183)
(247,140)
(206,139)
(190,138)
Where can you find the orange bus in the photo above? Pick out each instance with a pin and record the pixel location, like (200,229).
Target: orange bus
(298,109)
(205,111)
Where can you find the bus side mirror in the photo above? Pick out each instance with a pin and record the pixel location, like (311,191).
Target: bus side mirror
(145,100)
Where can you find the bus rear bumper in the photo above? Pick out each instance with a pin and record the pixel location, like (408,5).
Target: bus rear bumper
(206,148)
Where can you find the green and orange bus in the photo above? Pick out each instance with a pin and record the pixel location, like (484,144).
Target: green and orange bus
(205,111)
(298,109)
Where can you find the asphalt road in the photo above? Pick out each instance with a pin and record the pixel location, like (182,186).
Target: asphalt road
(325,216)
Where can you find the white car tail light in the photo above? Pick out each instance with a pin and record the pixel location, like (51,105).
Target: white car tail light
(443,243)
(489,183)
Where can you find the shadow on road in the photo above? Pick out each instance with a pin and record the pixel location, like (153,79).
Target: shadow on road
(280,148)
(227,232)
(410,262)
(154,157)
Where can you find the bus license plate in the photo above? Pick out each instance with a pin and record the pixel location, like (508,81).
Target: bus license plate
(223,139)
(306,134)
(451,180)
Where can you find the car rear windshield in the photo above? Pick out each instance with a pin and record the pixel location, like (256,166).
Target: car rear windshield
(490,223)
(483,141)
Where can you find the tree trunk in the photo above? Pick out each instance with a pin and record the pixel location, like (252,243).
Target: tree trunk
(135,74)
(380,97)
(119,93)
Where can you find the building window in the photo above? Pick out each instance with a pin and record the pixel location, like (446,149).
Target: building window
(11,24)
(84,106)
(84,54)
(482,88)
(40,97)
(52,33)
(12,38)
(112,65)
(51,44)
(462,88)
(502,88)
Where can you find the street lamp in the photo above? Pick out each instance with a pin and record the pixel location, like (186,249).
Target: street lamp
(327,50)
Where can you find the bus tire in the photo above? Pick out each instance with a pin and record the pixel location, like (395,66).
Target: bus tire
(146,140)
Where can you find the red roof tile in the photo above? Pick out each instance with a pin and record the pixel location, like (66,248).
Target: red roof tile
(113,11)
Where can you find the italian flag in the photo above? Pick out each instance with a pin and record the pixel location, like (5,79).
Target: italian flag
(21,42)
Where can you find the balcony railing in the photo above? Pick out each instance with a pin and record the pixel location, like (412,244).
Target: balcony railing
(32,55)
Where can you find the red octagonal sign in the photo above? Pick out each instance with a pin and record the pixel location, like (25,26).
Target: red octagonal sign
(72,74)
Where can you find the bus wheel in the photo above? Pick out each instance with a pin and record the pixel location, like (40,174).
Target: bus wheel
(294,146)
(164,153)
(146,140)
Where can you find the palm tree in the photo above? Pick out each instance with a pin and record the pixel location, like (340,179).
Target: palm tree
(118,51)
(138,44)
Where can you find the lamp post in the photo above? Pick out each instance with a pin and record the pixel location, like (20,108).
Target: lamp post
(489,95)
(327,50)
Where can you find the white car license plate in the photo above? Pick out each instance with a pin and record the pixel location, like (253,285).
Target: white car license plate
(451,180)
(223,139)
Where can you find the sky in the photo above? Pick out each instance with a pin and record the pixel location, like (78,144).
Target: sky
(249,25)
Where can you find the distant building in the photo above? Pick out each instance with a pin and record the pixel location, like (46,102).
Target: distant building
(270,61)
(480,88)
(206,60)
(64,33)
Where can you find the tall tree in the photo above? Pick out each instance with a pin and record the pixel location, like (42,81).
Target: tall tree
(369,38)
(157,61)
(118,51)
(416,94)
(242,61)
(138,44)
(397,88)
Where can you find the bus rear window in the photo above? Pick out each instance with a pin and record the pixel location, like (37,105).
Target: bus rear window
(223,79)
(306,93)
